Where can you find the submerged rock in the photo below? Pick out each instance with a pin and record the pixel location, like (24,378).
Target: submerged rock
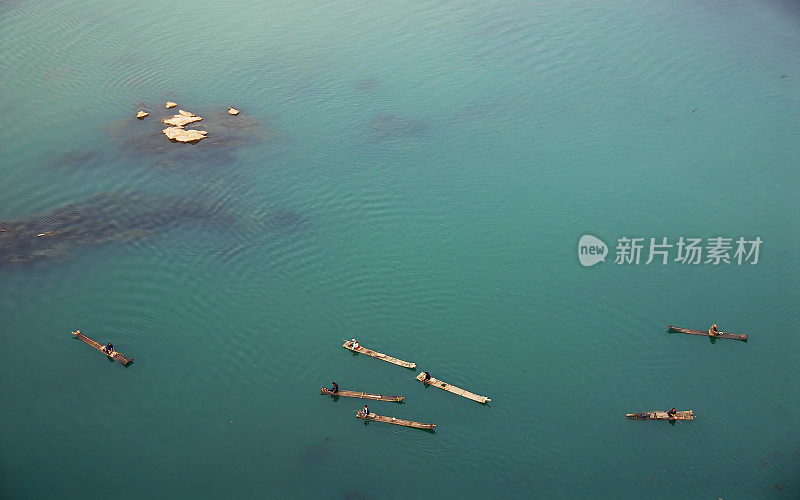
(107,217)
(141,114)
(170,104)
(225,135)
(182,119)
(180,134)
(233,111)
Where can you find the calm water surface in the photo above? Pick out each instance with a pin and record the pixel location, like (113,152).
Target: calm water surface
(417,175)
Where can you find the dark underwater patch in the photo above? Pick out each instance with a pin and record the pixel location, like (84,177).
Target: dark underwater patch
(391,126)
(367,85)
(103,218)
(144,140)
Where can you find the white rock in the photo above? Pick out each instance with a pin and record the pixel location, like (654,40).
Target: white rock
(170,104)
(182,119)
(180,134)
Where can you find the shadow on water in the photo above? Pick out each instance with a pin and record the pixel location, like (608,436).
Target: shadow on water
(317,454)
(386,126)
(476,112)
(103,218)
(367,85)
(112,361)
(357,495)
(285,221)
(429,431)
(76,158)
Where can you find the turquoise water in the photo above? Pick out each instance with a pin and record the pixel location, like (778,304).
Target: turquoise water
(417,175)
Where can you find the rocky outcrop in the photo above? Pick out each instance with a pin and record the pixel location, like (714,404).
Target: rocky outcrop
(141,114)
(233,111)
(170,104)
(182,119)
(180,134)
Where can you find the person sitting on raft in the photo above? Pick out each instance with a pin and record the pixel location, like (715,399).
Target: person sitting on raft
(365,411)
(109,348)
(334,388)
(713,330)
(672,413)
(426,377)
(355,344)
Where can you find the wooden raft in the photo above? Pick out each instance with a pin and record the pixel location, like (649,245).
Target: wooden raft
(396,421)
(661,415)
(722,335)
(363,395)
(451,388)
(379,355)
(114,354)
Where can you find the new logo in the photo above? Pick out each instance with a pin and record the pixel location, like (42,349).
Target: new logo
(591,250)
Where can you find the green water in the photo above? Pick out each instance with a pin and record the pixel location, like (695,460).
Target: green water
(416,175)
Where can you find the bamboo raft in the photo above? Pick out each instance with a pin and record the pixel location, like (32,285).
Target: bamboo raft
(451,388)
(114,354)
(379,355)
(660,415)
(723,335)
(392,420)
(363,395)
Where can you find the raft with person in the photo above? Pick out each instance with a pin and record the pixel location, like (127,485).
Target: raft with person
(353,345)
(362,395)
(108,350)
(661,415)
(711,332)
(392,420)
(426,378)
